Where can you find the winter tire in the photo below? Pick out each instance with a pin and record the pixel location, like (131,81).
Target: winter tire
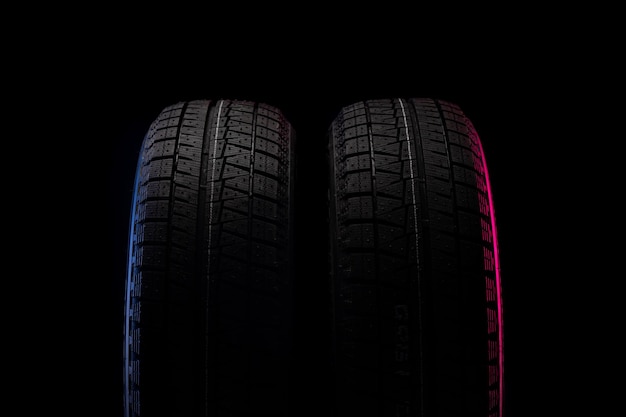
(416,293)
(209,288)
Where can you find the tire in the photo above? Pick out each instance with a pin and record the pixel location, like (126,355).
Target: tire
(209,286)
(415,277)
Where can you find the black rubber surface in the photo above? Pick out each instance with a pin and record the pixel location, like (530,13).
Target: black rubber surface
(209,291)
(415,293)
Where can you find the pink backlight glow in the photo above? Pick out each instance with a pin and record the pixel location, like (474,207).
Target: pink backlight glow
(496,257)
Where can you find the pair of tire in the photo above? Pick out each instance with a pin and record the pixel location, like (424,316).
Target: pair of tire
(414,272)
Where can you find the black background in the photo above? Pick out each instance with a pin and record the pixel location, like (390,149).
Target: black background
(507,87)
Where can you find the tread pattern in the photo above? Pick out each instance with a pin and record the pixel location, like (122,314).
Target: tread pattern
(416,303)
(210,259)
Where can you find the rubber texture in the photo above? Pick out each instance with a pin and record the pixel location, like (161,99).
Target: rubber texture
(415,278)
(209,288)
